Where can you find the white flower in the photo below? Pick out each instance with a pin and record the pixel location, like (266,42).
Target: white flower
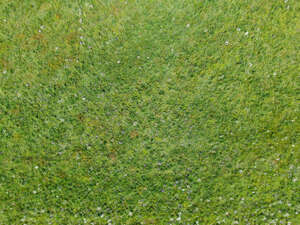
(36,167)
(226,42)
(4,71)
(56,48)
(83,98)
(40,31)
(118,61)
(80,20)
(178,218)
(34,192)
(130,213)
(188,25)
(246,33)
(42,27)
(238,29)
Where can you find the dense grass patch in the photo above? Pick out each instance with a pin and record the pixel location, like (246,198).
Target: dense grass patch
(149,112)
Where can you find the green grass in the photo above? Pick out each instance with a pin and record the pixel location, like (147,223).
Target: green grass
(149,112)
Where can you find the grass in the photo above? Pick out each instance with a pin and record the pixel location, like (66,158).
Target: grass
(149,112)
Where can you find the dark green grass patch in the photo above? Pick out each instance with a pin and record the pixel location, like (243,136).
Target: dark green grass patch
(149,112)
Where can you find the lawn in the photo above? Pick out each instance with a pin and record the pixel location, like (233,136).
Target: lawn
(149,112)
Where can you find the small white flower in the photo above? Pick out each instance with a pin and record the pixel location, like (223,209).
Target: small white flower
(286,215)
(4,71)
(56,48)
(36,167)
(42,27)
(178,218)
(286,1)
(83,98)
(226,42)
(250,64)
(80,20)
(34,192)
(138,56)
(130,213)
(246,33)
(295,180)
(40,31)
(81,37)
(188,25)
(118,61)
(238,29)
(135,123)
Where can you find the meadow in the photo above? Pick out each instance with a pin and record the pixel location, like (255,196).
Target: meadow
(149,112)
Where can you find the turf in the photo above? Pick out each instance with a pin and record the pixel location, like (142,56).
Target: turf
(149,112)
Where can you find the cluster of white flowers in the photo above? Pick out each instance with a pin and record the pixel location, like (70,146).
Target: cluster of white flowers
(42,27)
